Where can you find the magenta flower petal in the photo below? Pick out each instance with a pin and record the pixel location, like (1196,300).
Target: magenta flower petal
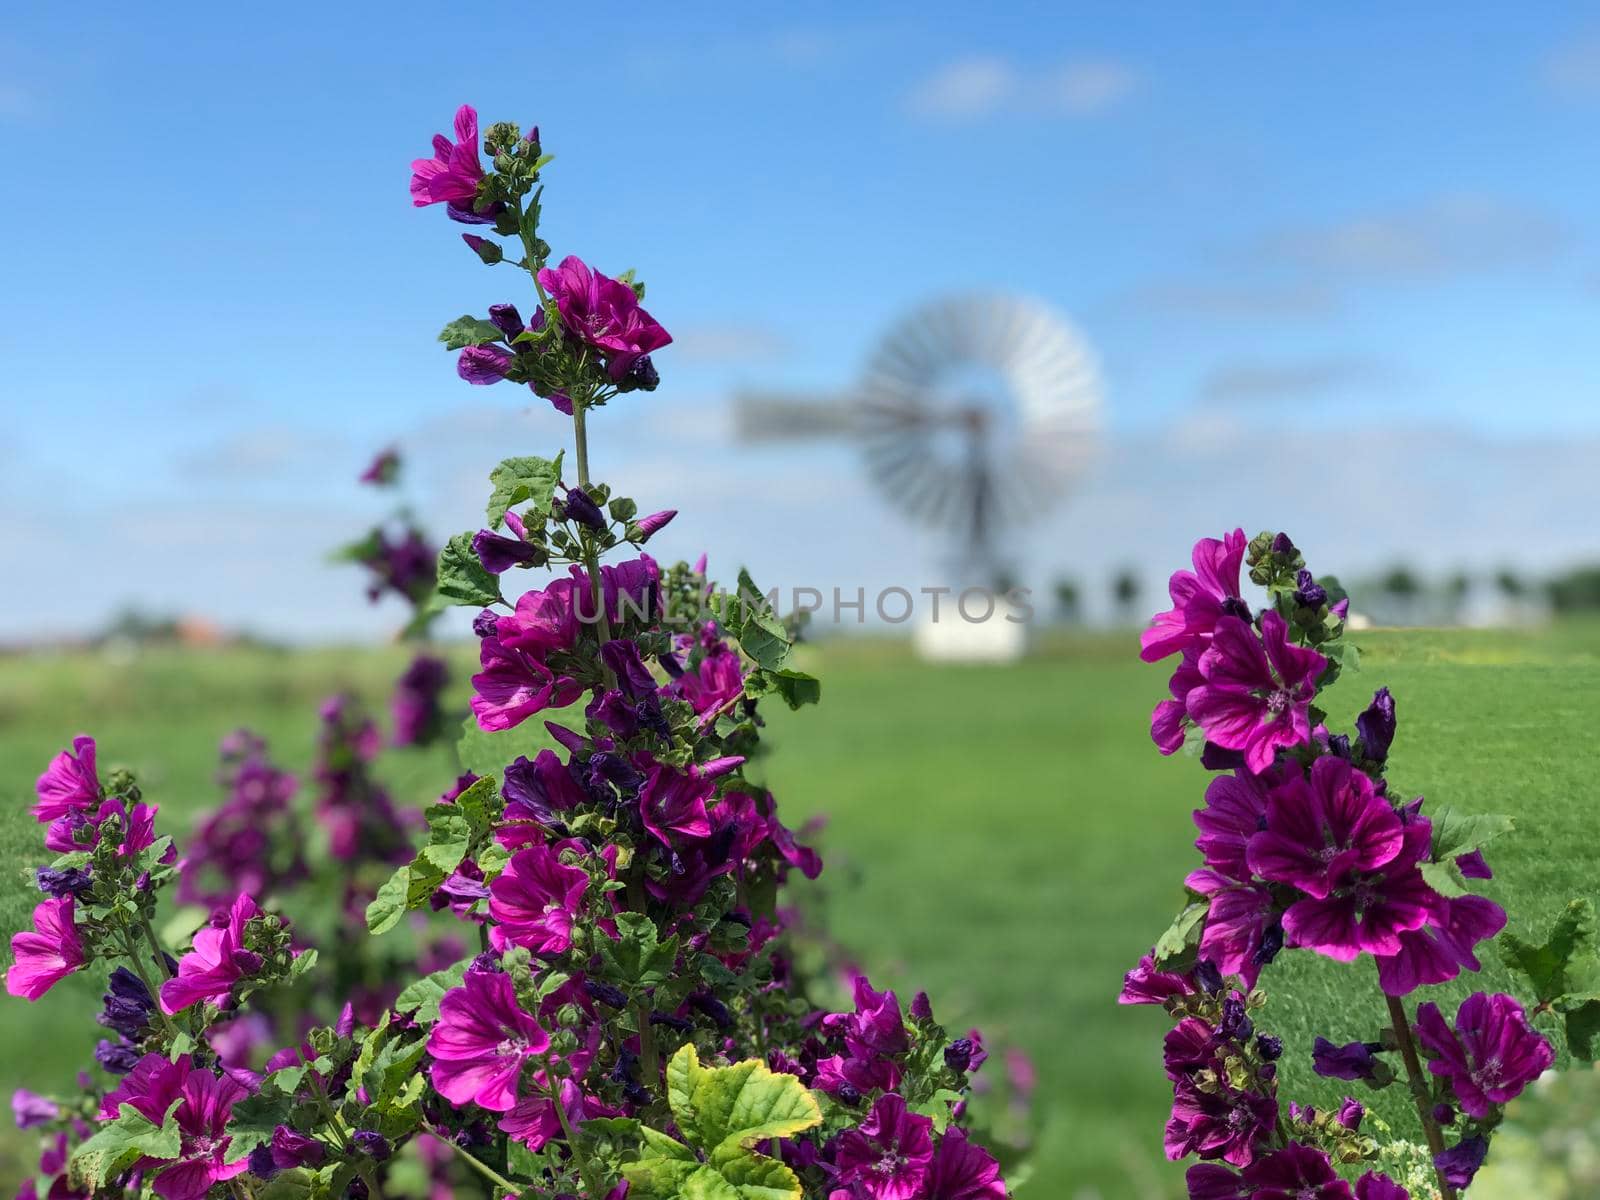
(47,954)
(535,901)
(69,784)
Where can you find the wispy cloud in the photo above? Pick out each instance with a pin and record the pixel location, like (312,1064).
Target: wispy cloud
(1230,299)
(988,86)
(1572,71)
(1252,382)
(733,343)
(1446,236)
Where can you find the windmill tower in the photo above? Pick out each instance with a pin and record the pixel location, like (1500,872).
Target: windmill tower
(975,416)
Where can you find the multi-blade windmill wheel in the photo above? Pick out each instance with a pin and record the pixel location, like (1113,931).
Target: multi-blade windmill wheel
(976,415)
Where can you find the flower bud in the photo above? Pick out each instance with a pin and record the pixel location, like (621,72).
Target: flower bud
(371,1143)
(958,1055)
(578,507)
(1376,726)
(486,250)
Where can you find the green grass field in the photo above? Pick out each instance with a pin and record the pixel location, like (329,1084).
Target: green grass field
(1006,838)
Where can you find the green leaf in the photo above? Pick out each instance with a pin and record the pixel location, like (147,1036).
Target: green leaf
(422,998)
(757,1177)
(462,578)
(524,480)
(484,753)
(296,1183)
(638,956)
(1182,938)
(255,1117)
(656,1178)
(1583,1031)
(467,330)
(736,1105)
(1456,833)
(796,688)
(450,835)
(1445,878)
(1567,956)
(123,1141)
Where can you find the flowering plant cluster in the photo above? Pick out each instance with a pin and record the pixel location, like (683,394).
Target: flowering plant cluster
(1306,846)
(597,992)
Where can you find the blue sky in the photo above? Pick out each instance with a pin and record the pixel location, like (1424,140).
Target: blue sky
(1341,269)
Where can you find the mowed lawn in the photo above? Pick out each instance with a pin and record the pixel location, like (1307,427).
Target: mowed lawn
(1005,838)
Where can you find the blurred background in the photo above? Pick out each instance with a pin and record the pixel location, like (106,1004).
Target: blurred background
(1337,273)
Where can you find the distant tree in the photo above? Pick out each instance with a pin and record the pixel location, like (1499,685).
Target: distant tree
(1125,592)
(1069,604)
(1400,583)
(1510,584)
(1576,591)
(1456,587)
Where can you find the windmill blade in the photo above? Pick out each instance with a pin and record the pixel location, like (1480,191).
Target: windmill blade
(968,466)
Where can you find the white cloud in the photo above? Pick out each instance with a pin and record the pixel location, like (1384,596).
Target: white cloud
(1444,236)
(1252,382)
(988,85)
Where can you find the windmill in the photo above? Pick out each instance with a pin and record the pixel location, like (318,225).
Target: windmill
(974,416)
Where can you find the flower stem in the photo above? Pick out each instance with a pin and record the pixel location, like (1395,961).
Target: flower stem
(131,949)
(476,1163)
(649,1057)
(1419,1088)
(554,1092)
(591,559)
(155,948)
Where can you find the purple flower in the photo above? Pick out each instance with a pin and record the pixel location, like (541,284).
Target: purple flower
(514,685)
(961,1170)
(451,176)
(1169,720)
(118,1057)
(215,962)
(889,1155)
(672,802)
(603,312)
(1459,1164)
(290,1148)
(1365,913)
(1218,1123)
(383,470)
(1296,1172)
(69,784)
(481,1042)
(484,365)
(876,1027)
(415,706)
(47,954)
(1199,598)
(535,901)
(535,792)
(1473,866)
(1147,984)
(1256,691)
(204,1105)
(1437,952)
(1242,925)
(1354,1060)
(1320,830)
(1490,1057)
(1376,726)
(1351,1112)
(253,842)
(534,1121)
(1375,1185)
(31,1109)
(1235,811)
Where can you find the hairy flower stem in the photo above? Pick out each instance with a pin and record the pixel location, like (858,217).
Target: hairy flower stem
(553,1090)
(155,948)
(649,1058)
(131,949)
(369,1176)
(1419,1088)
(476,1163)
(591,559)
